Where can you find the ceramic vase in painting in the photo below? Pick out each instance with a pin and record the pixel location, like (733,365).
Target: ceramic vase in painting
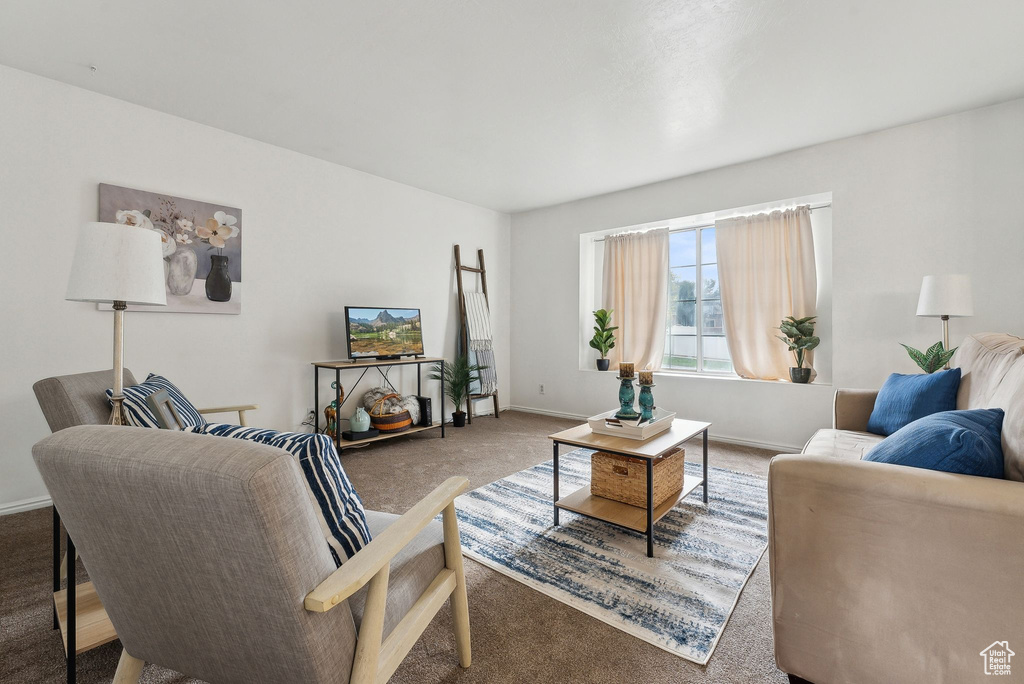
(218,283)
(181,271)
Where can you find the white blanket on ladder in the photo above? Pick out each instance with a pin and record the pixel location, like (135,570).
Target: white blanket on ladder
(478,321)
(478,325)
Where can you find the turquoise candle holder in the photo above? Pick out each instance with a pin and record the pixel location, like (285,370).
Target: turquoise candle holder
(626,397)
(646,403)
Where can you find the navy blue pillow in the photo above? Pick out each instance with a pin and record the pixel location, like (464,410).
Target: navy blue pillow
(965,442)
(905,398)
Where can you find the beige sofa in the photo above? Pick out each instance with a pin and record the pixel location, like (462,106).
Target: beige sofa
(885,573)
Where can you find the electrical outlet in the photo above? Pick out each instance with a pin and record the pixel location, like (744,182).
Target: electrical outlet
(542,389)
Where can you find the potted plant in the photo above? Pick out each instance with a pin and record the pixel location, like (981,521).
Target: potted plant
(457,375)
(934,358)
(604,336)
(799,335)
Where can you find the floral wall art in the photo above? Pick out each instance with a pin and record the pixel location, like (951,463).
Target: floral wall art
(202,246)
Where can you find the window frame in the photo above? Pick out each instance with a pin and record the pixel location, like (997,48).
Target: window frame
(698,306)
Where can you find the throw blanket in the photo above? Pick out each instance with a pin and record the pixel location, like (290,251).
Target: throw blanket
(478,326)
(478,321)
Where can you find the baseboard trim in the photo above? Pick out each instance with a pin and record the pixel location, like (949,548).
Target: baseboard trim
(545,412)
(780,448)
(25,505)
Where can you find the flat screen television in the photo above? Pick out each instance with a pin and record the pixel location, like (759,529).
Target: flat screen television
(377,333)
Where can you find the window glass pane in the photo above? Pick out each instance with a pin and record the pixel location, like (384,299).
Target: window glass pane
(711,317)
(679,362)
(682,284)
(716,354)
(684,345)
(681,352)
(682,248)
(682,318)
(708,248)
(709,276)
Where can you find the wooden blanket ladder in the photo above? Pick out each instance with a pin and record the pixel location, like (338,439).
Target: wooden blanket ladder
(482,272)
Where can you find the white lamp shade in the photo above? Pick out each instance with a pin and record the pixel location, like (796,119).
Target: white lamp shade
(117,263)
(946,295)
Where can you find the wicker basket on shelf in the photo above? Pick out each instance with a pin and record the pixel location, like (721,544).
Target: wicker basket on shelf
(389,422)
(622,478)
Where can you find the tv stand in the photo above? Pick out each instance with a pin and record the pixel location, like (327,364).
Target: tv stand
(365,365)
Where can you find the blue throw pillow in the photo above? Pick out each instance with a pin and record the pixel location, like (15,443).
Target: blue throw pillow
(338,508)
(905,398)
(965,442)
(138,412)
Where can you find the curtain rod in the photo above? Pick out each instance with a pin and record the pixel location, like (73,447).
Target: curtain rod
(813,207)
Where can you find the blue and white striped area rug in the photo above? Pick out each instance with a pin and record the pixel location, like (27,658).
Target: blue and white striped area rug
(680,600)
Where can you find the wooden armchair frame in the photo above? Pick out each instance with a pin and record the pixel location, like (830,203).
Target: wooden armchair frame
(240,409)
(376,658)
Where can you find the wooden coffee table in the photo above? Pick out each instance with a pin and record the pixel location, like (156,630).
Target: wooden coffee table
(631,517)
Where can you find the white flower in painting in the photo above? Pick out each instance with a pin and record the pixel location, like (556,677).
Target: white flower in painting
(218,229)
(183,238)
(184,225)
(133,217)
(228,221)
(167,245)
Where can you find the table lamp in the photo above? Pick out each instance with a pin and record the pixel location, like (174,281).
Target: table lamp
(945,297)
(120,265)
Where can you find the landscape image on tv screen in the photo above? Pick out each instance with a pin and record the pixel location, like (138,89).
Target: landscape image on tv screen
(383,332)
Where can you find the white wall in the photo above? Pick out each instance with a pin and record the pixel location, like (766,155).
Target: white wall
(938,196)
(317,236)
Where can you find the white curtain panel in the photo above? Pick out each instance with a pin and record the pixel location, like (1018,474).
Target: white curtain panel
(766,272)
(635,288)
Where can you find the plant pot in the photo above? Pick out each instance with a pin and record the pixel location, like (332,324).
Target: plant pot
(800,375)
(459,419)
(602,364)
(218,282)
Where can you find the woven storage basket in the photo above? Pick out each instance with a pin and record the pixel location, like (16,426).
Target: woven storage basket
(391,422)
(624,479)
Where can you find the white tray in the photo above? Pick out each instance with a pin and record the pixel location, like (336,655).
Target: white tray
(628,429)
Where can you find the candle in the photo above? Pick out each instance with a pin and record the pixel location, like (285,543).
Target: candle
(625,370)
(647,377)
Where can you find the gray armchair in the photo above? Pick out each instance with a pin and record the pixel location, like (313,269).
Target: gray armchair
(209,559)
(80,399)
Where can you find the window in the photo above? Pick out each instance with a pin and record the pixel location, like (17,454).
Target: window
(694,330)
(695,339)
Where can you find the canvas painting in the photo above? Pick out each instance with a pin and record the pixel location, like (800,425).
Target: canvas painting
(202,247)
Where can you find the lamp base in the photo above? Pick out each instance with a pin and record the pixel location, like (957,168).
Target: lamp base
(117,416)
(945,337)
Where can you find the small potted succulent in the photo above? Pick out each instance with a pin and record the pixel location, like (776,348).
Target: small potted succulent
(799,335)
(604,336)
(458,375)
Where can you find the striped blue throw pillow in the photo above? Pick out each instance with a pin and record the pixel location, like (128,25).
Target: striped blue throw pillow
(338,507)
(137,411)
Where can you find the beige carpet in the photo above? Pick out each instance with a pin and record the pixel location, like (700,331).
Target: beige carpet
(519,635)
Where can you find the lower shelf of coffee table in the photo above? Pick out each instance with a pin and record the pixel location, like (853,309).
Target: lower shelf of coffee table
(633,517)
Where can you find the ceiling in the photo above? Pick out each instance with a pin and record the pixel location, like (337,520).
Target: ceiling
(516,104)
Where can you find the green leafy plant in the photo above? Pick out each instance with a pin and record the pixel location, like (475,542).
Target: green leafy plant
(604,334)
(932,359)
(799,335)
(458,375)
